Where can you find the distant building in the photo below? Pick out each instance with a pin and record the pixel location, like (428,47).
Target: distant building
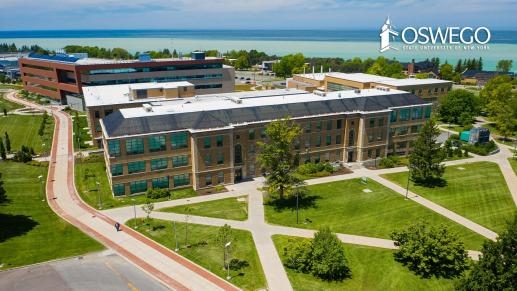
(411,69)
(428,89)
(267,66)
(480,78)
(61,76)
(210,140)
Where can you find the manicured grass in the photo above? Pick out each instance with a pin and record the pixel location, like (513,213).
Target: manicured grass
(82,135)
(92,169)
(205,252)
(7,105)
(371,269)
(30,232)
(23,130)
(513,163)
(345,208)
(479,192)
(228,208)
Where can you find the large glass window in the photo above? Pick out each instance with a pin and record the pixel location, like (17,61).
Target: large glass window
(114,148)
(136,167)
(393,116)
(318,141)
(207,142)
(119,189)
(179,140)
(238,154)
(116,170)
(427,113)
(219,140)
(220,177)
(251,134)
(402,130)
(208,179)
(134,146)
(179,161)
(181,180)
(161,182)
(328,139)
(220,158)
(351,138)
(208,159)
(404,114)
(138,186)
(339,123)
(158,164)
(372,122)
(157,143)
(338,139)
(329,124)
(416,113)
(307,127)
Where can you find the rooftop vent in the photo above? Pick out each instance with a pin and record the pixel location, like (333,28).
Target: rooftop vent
(148,107)
(319,93)
(357,91)
(235,100)
(382,88)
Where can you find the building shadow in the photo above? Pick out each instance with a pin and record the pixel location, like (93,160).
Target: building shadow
(15,225)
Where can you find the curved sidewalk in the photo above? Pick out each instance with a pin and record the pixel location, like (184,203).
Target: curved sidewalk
(174,271)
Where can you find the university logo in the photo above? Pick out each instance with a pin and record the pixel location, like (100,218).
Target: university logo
(387,31)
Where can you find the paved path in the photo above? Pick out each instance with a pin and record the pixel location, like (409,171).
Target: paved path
(173,270)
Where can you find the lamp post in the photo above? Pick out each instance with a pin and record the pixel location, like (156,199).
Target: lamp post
(175,236)
(40,177)
(99,193)
(227,255)
(134,211)
(408,175)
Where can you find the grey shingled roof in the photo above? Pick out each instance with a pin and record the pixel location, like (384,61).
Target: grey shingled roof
(117,125)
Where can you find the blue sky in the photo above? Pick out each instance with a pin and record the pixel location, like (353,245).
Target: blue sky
(252,14)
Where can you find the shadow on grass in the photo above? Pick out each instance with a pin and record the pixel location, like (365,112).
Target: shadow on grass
(15,225)
(431,183)
(304,202)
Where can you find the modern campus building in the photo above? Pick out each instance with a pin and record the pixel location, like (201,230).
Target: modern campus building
(62,77)
(210,140)
(428,89)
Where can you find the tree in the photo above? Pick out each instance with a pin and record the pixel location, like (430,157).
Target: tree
(385,67)
(24,155)
(2,150)
(277,157)
(328,256)
(504,66)
(242,63)
(430,250)
(148,207)
(298,255)
(459,106)
(225,235)
(5,112)
(497,265)
(446,72)
(289,64)
(7,142)
(425,161)
(500,101)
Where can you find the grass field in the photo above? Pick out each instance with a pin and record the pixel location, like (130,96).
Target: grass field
(228,208)
(345,208)
(513,163)
(371,268)
(7,105)
(30,232)
(92,169)
(23,130)
(83,135)
(478,192)
(205,252)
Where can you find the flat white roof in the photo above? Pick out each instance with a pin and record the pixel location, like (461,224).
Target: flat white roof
(119,94)
(413,82)
(315,76)
(369,78)
(243,100)
(359,77)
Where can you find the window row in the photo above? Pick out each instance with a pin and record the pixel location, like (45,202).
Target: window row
(141,186)
(219,177)
(156,164)
(413,113)
(319,125)
(156,143)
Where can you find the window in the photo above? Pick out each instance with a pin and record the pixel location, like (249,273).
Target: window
(208,179)
(179,161)
(351,138)
(329,124)
(328,139)
(369,153)
(317,158)
(162,182)
(402,130)
(181,180)
(416,113)
(134,146)
(238,154)
(338,139)
(220,178)
(136,167)
(339,123)
(318,141)
(179,140)
(108,112)
(404,114)
(220,158)
(379,136)
(251,134)
(263,133)
(119,189)
(393,116)
(138,186)
(219,140)
(308,142)
(415,128)
(156,143)
(401,145)
(158,164)
(380,122)
(251,149)
(98,128)
(436,90)
(307,127)
(207,142)
(297,144)
(318,125)
(370,137)
(141,94)
(114,148)
(208,160)
(97,114)
(116,170)
(427,113)
(251,168)
(372,122)
(377,153)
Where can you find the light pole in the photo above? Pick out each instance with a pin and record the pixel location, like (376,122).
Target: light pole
(408,175)
(40,177)
(175,236)
(227,252)
(186,231)
(99,193)
(134,211)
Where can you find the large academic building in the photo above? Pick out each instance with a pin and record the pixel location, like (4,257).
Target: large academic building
(62,77)
(428,89)
(209,140)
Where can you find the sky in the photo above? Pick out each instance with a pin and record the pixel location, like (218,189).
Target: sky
(252,14)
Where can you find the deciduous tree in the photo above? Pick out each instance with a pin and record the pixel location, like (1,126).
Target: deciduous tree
(459,106)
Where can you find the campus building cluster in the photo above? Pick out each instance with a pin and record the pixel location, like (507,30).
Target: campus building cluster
(62,76)
(428,89)
(209,140)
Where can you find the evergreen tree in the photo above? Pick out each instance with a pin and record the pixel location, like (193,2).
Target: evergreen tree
(425,161)
(480,64)
(5,112)
(3,155)
(7,143)
(458,68)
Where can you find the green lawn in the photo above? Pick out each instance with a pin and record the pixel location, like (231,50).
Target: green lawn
(479,192)
(371,269)
(6,104)
(205,252)
(30,232)
(513,163)
(23,130)
(345,208)
(228,208)
(92,169)
(82,135)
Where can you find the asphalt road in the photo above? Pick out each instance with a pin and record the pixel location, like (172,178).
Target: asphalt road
(100,271)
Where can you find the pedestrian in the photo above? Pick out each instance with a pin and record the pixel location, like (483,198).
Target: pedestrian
(117,226)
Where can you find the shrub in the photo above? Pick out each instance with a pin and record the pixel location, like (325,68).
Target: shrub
(387,162)
(298,255)
(24,155)
(481,149)
(313,168)
(157,193)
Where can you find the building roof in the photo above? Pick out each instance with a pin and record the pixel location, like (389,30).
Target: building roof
(119,94)
(369,78)
(315,76)
(412,82)
(359,77)
(226,110)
